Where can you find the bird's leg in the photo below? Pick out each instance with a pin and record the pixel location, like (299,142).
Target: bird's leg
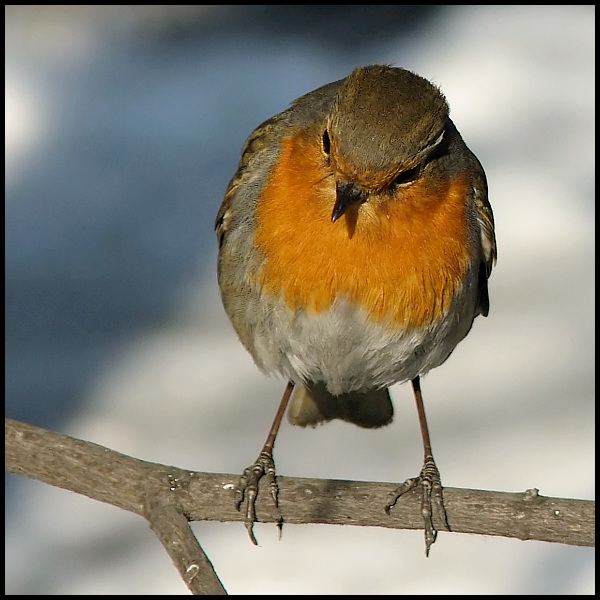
(428,479)
(263,466)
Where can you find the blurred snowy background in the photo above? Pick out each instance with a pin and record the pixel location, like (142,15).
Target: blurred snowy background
(123,127)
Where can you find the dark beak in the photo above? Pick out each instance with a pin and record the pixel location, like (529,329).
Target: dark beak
(347,194)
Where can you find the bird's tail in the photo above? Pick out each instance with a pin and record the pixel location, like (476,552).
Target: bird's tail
(314,404)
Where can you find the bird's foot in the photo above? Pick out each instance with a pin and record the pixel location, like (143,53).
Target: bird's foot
(431,495)
(247,489)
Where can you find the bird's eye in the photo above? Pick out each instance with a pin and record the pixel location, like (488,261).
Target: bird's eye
(406,176)
(326,142)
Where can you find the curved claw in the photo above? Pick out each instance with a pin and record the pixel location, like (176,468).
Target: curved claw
(408,485)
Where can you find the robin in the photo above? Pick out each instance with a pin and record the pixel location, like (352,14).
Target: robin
(355,245)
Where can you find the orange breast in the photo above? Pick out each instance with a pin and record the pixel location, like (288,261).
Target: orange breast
(400,258)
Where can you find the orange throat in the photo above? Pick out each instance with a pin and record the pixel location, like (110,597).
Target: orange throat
(400,259)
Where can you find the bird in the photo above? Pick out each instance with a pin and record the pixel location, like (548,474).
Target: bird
(356,240)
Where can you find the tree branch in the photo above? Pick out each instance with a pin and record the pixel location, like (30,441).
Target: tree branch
(169,497)
(172,528)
